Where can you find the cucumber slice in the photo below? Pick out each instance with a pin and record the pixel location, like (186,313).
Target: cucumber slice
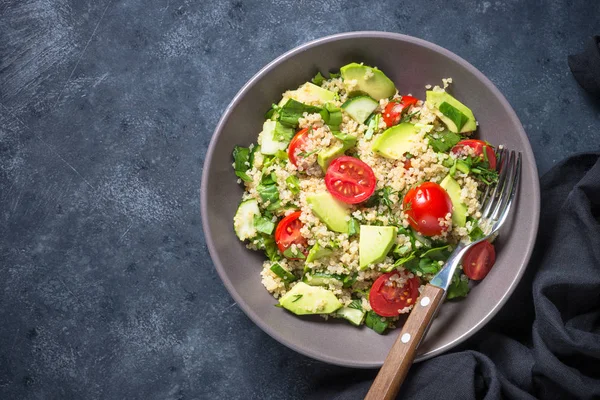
(274,137)
(321,279)
(359,108)
(283,273)
(317,252)
(353,313)
(243,221)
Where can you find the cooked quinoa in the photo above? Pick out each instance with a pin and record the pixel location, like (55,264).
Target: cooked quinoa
(394,177)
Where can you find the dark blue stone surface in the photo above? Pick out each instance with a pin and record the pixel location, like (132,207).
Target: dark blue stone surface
(106,110)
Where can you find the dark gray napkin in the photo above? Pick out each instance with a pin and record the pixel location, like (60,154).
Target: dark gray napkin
(545,343)
(586,67)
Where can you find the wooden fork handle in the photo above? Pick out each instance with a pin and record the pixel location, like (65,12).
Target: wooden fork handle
(401,356)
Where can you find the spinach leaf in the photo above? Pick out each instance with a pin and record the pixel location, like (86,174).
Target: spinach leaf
(459,287)
(333,75)
(348,141)
(241,157)
(263,224)
(283,133)
(268,179)
(376,322)
(318,79)
(292,111)
(273,112)
(268,193)
(335,117)
(268,245)
(281,155)
(445,142)
(243,176)
(289,253)
(293,183)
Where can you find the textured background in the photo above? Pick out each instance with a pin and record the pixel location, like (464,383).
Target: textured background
(106,110)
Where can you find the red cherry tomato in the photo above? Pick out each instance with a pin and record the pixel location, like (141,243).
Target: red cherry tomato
(350,180)
(425,205)
(393,111)
(386,298)
(288,232)
(479,260)
(407,162)
(297,143)
(478,146)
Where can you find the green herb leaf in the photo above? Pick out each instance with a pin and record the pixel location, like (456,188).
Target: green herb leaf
(445,142)
(297,297)
(438,253)
(376,322)
(273,112)
(480,168)
(318,79)
(310,153)
(289,253)
(293,183)
(268,245)
(348,280)
(407,117)
(353,227)
(429,266)
(263,225)
(454,114)
(459,287)
(356,304)
(476,233)
(373,126)
(333,75)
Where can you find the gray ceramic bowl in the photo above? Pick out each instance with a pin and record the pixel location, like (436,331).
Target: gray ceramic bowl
(411,63)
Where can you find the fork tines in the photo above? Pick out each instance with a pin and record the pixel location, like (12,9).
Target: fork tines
(496,205)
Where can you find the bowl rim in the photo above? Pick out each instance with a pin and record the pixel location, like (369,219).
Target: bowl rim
(535,213)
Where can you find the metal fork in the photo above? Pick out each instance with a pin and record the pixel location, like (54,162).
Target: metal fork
(495,208)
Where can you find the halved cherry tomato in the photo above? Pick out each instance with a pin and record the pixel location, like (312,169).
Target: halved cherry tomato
(297,142)
(387,299)
(350,180)
(425,205)
(479,260)
(393,111)
(288,232)
(478,146)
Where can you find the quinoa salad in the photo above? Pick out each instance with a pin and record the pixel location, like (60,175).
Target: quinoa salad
(357,195)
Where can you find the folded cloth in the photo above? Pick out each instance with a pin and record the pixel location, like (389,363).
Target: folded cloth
(545,342)
(586,67)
